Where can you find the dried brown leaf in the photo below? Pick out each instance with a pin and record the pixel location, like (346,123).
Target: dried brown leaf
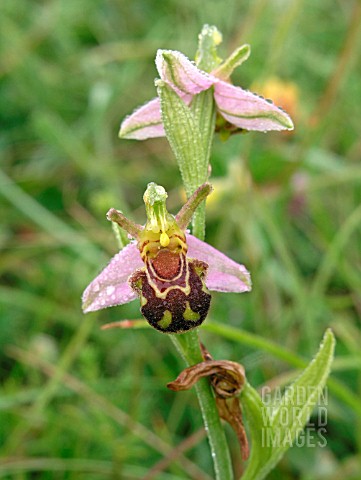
(227,379)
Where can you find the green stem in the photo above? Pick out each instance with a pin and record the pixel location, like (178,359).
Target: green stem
(188,346)
(190,134)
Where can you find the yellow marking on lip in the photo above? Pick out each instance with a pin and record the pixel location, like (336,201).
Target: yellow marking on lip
(186,290)
(204,288)
(166,320)
(189,315)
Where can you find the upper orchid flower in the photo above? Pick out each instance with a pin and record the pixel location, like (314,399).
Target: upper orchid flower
(238,107)
(169,270)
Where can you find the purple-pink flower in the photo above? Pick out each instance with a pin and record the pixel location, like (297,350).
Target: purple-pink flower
(111,286)
(167,268)
(239,107)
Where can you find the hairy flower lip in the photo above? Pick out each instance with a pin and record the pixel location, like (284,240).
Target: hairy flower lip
(240,107)
(111,287)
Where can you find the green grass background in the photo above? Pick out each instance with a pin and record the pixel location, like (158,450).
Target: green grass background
(80,403)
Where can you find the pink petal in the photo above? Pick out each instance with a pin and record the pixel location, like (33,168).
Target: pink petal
(145,122)
(177,70)
(111,287)
(224,275)
(246,110)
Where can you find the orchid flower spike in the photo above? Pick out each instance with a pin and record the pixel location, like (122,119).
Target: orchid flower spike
(170,270)
(237,109)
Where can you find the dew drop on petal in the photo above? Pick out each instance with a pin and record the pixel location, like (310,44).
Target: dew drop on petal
(110,289)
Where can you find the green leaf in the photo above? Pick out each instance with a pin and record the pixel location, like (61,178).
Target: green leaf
(337,388)
(184,136)
(204,113)
(254,410)
(290,416)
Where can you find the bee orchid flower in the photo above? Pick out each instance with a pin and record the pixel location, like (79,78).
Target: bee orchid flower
(170,270)
(237,108)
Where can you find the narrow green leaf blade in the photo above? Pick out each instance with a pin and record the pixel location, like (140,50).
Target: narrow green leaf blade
(291,414)
(184,136)
(204,112)
(254,413)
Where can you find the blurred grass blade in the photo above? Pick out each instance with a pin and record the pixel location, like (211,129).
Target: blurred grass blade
(255,341)
(47,221)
